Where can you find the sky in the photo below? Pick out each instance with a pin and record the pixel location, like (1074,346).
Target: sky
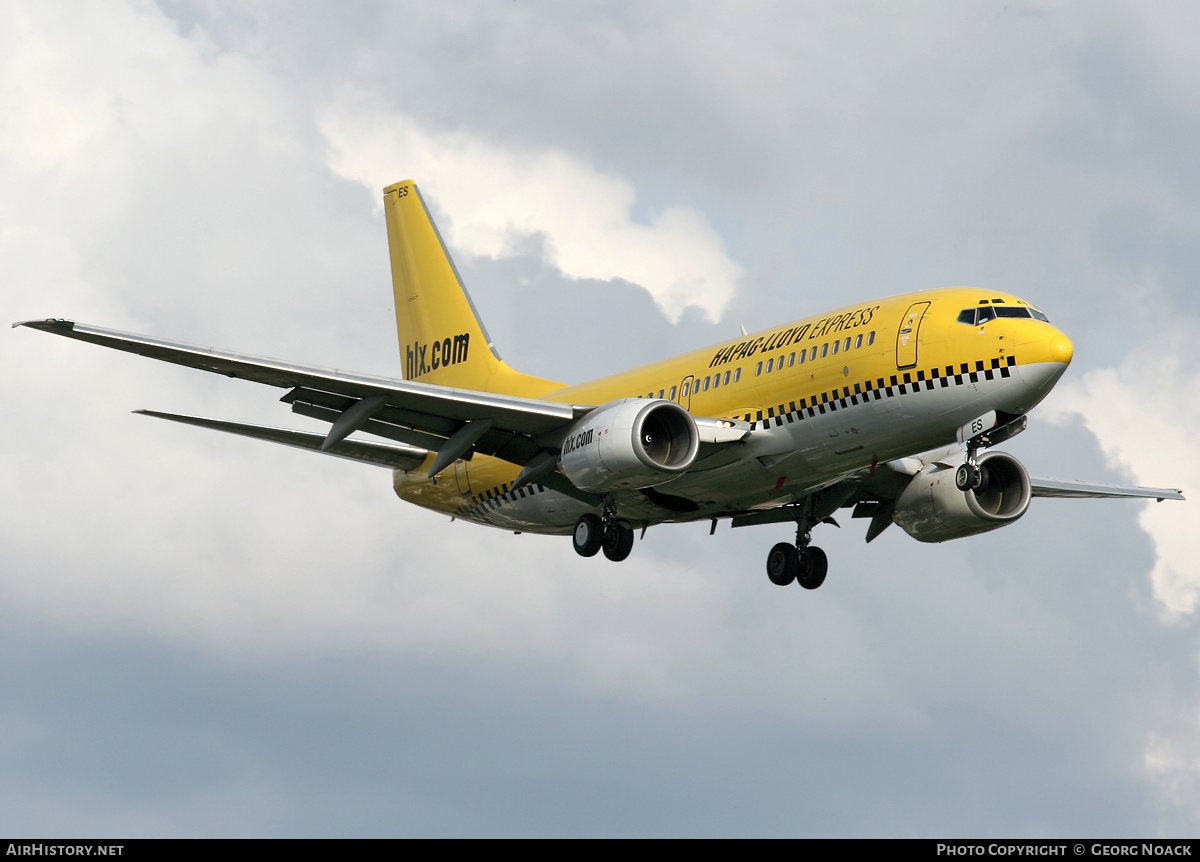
(209,636)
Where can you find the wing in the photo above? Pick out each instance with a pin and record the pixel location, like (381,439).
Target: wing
(452,422)
(873,494)
(1071,488)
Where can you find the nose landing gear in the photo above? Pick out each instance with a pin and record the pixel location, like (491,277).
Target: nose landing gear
(971,475)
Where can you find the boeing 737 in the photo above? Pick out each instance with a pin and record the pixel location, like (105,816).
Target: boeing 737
(888,407)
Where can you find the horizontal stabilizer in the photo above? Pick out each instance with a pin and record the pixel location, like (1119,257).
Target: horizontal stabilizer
(384,455)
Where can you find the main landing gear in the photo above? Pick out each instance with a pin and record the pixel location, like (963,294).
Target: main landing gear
(612,535)
(807,567)
(803,563)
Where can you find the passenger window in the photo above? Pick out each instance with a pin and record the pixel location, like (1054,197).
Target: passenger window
(824,349)
(706,379)
(836,345)
(779,362)
(684,392)
(803,354)
(791,359)
(726,381)
(770,365)
(716,380)
(870,338)
(672,398)
(660,393)
(737,374)
(858,342)
(846,346)
(758,369)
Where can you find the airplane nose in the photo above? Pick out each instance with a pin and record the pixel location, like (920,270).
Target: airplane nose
(1060,348)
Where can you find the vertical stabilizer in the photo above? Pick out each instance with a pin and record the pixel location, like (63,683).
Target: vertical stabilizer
(442,339)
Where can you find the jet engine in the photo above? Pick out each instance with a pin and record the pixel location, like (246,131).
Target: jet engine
(932,509)
(630,443)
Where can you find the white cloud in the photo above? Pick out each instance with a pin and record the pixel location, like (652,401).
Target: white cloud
(133,150)
(1143,414)
(108,122)
(494,200)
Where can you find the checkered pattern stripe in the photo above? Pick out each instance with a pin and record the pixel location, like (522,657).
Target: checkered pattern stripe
(880,388)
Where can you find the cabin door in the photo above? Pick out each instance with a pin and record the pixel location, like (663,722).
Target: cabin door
(906,338)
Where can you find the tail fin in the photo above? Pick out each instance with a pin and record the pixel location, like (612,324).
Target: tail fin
(442,339)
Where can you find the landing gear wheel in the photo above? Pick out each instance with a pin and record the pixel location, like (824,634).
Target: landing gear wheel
(588,535)
(783,564)
(618,540)
(981,479)
(966,476)
(814,565)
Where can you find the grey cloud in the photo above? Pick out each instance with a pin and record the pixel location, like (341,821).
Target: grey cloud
(209,636)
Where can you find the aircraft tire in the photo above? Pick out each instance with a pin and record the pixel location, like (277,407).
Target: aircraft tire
(965,476)
(980,482)
(783,564)
(588,536)
(813,568)
(618,541)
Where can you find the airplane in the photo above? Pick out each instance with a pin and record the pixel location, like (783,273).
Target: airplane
(889,407)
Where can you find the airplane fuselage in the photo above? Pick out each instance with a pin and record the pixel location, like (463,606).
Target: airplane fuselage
(823,398)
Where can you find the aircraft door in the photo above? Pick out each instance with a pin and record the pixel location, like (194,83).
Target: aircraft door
(906,338)
(461,477)
(685,393)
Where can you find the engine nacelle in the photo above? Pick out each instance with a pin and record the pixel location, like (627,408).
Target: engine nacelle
(628,444)
(932,509)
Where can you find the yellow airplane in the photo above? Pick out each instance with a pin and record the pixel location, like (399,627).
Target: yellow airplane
(885,406)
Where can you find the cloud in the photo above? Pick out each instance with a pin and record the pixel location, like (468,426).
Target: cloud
(499,201)
(1143,413)
(1172,758)
(193,621)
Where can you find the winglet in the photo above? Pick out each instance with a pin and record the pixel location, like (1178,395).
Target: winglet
(49,324)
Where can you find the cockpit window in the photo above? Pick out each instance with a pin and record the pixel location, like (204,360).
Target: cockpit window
(977,316)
